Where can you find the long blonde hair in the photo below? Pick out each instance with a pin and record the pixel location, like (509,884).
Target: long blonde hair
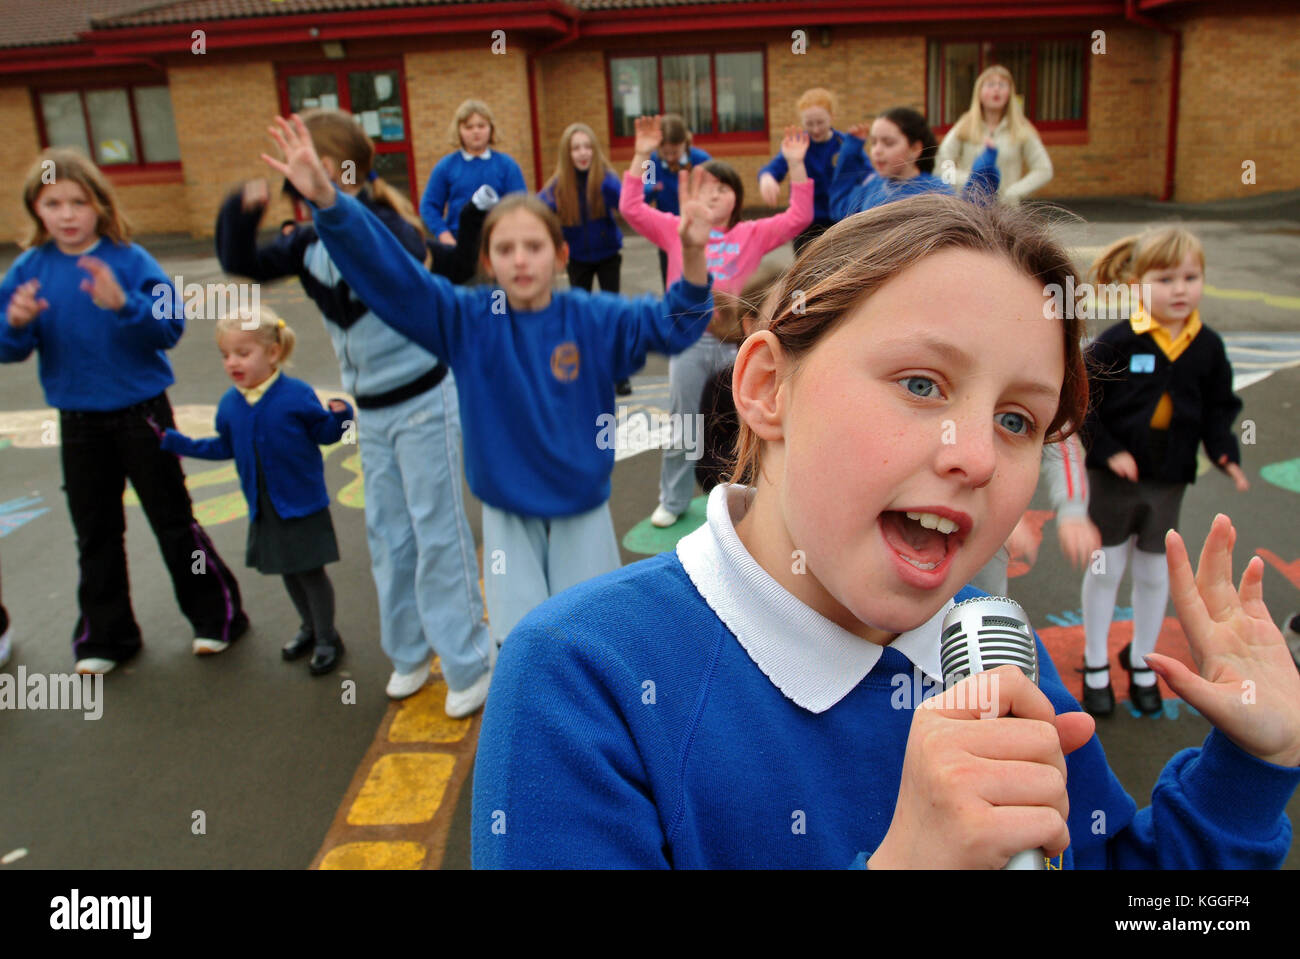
(565,179)
(338,135)
(60,163)
(971,125)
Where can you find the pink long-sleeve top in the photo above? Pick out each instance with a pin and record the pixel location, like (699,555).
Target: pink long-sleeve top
(732,256)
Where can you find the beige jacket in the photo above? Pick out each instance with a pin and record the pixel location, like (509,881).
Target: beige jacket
(1023,167)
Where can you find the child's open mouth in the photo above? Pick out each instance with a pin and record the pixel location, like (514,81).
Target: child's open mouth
(923,543)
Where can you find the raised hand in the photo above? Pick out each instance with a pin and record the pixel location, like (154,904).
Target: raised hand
(256,194)
(649,134)
(695,223)
(1248,685)
(102,285)
(338,406)
(1123,465)
(794,146)
(301,165)
(860,130)
(769,189)
(25,306)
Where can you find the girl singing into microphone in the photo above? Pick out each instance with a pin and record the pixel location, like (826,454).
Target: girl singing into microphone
(734,703)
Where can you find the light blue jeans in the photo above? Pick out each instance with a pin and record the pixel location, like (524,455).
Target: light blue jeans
(421,548)
(527,559)
(688,371)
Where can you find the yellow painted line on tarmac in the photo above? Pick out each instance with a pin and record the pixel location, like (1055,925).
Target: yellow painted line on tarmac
(397,812)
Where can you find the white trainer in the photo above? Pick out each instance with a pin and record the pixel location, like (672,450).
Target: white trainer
(402,685)
(469,700)
(91,666)
(662,518)
(208,647)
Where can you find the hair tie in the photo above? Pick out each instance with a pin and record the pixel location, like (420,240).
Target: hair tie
(279,324)
(372,176)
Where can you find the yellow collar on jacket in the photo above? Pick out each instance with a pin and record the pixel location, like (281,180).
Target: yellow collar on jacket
(1143,322)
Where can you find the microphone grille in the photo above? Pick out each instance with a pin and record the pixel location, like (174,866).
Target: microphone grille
(984,633)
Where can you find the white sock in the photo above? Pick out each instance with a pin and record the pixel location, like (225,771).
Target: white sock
(1150,597)
(1099,591)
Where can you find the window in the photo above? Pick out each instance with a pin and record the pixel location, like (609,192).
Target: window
(719,95)
(371,91)
(115,126)
(1050,77)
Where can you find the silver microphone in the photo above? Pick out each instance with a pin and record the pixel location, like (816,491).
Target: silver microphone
(981,634)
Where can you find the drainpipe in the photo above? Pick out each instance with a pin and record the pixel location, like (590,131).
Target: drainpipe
(1171,146)
(530,65)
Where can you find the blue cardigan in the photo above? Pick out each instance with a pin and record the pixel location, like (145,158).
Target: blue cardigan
(282,430)
(662,192)
(820,164)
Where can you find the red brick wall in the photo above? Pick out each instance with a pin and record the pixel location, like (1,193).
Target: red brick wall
(438,81)
(1239,97)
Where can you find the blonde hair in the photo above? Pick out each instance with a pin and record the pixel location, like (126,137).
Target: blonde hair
(860,254)
(338,135)
(565,179)
(971,126)
(1158,248)
(816,97)
(61,163)
(463,112)
(268,328)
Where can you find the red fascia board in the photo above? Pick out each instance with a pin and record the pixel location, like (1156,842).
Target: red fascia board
(778,15)
(62,57)
(347,25)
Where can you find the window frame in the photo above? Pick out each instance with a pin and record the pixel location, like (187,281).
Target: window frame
(111,169)
(341,69)
(1031,96)
(699,139)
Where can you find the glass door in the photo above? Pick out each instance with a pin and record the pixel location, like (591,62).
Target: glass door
(375,94)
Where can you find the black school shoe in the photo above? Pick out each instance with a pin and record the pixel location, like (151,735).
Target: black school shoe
(299,646)
(1147,699)
(1098,702)
(325,656)
(623,388)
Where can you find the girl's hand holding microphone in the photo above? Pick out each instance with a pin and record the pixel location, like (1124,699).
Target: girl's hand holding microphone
(301,165)
(983,781)
(25,306)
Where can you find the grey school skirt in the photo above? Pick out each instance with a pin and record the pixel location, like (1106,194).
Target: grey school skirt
(278,546)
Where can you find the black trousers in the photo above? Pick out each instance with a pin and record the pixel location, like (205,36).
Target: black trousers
(663,269)
(607,270)
(100,452)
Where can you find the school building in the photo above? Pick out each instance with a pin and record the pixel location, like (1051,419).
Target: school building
(1172,99)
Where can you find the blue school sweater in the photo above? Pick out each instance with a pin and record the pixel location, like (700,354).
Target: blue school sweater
(662,193)
(591,241)
(283,431)
(627,726)
(820,164)
(92,358)
(454,181)
(856,186)
(533,387)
